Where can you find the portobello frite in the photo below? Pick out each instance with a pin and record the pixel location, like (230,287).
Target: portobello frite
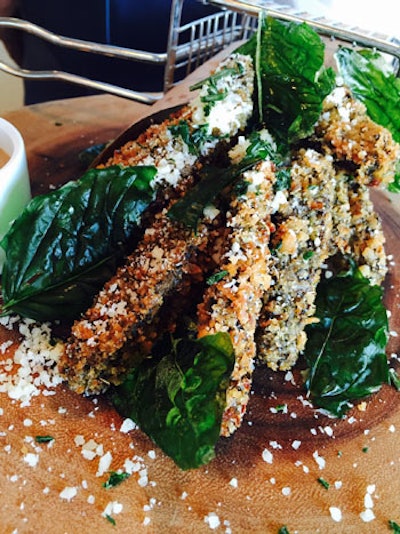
(251,215)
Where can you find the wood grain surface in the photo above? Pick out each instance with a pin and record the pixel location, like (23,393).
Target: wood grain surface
(270,474)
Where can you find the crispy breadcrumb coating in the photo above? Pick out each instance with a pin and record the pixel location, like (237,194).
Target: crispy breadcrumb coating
(347,132)
(301,245)
(92,357)
(233,304)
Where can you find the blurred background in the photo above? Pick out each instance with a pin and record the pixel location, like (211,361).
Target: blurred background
(366,14)
(11,88)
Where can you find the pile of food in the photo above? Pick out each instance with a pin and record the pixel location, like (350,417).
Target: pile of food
(237,232)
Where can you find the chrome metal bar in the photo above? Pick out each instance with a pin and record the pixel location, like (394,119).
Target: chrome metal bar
(173,38)
(81,45)
(145,98)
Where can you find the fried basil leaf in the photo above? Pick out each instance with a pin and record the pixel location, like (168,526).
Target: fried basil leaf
(178,398)
(291,79)
(376,88)
(65,244)
(345,351)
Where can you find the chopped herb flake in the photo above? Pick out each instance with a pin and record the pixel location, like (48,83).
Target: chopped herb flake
(111,520)
(44,439)
(241,187)
(214,95)
(193,139)
(308,254)
(394,526)
(323,482)
(283,179)
(283,530)
(394,378)
(216,277)
(216,76)
(115,479)
(275,248)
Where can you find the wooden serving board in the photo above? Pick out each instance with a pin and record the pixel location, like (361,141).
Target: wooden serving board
(270,474)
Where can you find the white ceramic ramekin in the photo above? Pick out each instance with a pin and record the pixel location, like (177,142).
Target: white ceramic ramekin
(15,191)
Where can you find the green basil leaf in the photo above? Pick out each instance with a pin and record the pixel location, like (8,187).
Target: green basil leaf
(394,187)
(345,350)
(291,79)
(378,90)
(89,154)
(178,399)
(65,244)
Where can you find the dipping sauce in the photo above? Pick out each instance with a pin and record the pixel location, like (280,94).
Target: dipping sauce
(15,191)
(4,157)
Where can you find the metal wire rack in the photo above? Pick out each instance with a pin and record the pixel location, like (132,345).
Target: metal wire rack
(331,28)
(188,47)
(191,44)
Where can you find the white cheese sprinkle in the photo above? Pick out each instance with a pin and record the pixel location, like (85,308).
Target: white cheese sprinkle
(267,456)
(367,515)
(113,507)
(319,459)
(68,493)
(212,520)
(336,513)
(104,464)
(31,459)
(127,426)
(35,361)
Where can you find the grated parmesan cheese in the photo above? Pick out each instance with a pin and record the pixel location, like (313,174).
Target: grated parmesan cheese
(336,513)
(31,459)
(104,464)
(319,459)
(267,456)
(35,361)
(68,493)
(113,507)
(212,520)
